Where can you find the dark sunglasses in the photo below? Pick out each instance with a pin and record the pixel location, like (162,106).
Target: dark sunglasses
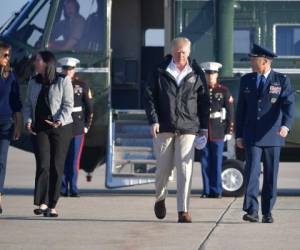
(6,55)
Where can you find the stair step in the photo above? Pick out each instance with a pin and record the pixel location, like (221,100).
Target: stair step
(130,135)
(138,175)
(134,156)
(132,128)
(140,149)
(146,142)
(135,161)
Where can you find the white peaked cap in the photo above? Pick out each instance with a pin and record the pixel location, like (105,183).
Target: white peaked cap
(212,66)
(68,61)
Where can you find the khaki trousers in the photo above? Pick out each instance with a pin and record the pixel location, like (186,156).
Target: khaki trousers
(174,150)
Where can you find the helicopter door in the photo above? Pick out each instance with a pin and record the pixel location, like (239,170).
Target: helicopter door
(130,158)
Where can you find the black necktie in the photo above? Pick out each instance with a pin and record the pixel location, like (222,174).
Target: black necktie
(261,85)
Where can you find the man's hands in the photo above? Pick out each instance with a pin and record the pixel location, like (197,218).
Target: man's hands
(283,131)
(239,143)
(17,127)
(154,130)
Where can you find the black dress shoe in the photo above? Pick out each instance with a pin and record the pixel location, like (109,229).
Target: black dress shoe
(251,217)
(160,209)
(48,213)
(204,196)
(267,218)
(184,217)
(39,211)
(63,194)
(216,196)
(75,195)
(53,214)
(1,210)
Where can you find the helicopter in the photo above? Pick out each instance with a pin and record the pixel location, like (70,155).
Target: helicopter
(121,40)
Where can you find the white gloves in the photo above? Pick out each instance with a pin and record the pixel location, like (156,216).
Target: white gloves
(227,137)
(200,142)
(85,130)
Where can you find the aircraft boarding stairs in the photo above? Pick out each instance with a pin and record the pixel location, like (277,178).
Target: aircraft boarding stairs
(130,159)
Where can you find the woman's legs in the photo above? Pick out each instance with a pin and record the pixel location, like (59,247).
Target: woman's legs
(59,143)
(41,145)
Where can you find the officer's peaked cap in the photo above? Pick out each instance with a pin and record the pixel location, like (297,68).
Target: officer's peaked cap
(259,51)
(68,62)
(211,66)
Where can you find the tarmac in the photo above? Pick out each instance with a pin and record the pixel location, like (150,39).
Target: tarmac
(124,218)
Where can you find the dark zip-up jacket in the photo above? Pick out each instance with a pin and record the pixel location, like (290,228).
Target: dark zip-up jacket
(182,109)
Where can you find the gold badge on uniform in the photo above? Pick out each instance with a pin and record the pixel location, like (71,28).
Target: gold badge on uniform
(90,94)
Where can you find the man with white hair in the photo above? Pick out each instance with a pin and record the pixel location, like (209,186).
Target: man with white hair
(176,104)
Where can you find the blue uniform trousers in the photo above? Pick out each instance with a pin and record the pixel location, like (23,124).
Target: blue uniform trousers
(5,136)
(270,157)
(69,181)
(211,163)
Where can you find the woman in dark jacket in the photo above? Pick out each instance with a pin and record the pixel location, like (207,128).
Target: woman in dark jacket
(47,114)
(10,110)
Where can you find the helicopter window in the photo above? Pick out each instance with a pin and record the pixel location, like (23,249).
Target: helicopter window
(32,27)
(242,40)
(79,25)
(155,37)
(287,39)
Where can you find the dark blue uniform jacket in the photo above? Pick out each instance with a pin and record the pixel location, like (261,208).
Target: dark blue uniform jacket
(259,118)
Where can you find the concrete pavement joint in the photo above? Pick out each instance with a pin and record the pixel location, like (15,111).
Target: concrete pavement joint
(202,246)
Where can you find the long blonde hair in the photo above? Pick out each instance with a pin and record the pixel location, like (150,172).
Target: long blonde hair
(5,70)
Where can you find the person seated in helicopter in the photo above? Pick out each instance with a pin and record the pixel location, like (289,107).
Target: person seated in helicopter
(94,30)
(70,28)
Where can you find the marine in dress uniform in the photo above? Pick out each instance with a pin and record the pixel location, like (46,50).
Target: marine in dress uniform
(265,112)
(220,129)
(82,119)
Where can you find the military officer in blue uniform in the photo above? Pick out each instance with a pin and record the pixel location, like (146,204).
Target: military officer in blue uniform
(265,111)
(82,119)
(220,129)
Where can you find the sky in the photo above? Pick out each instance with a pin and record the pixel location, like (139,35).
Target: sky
(8,7)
